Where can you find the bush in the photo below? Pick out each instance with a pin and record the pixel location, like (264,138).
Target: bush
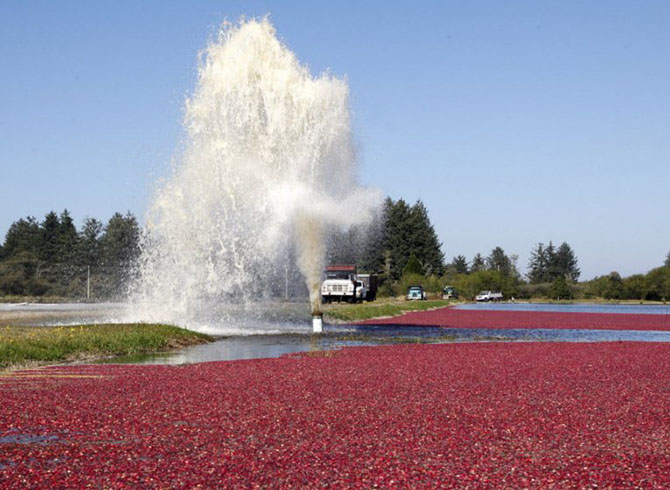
(538,290)
(560,289)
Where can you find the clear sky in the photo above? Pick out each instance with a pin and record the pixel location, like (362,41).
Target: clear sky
(515,122)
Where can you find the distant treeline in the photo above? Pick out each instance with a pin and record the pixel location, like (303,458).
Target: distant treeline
(53,258)
(553,273)
(403,248)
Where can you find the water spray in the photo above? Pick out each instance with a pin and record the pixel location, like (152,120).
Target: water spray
(268,167)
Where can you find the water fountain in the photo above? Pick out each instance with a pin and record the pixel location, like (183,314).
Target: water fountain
(268,165)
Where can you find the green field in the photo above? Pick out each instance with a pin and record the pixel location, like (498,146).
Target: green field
(385,308)
(34,345)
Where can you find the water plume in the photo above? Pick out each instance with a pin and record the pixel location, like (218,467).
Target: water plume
(268,165)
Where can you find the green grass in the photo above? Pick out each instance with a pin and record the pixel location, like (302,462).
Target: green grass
(25,345)
(365,311)
(37,299)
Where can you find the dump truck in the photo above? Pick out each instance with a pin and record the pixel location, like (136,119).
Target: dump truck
(370,282)
(343,283)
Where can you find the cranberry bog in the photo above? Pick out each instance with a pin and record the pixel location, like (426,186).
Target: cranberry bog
(485,318)
(452,415)
(473,415)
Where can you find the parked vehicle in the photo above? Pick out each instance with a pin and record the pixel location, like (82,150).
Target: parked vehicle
(489,296)
(343,284)
(370,282)
(449,292)
(416,293)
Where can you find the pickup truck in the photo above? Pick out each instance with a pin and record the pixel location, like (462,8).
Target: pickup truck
(489,296)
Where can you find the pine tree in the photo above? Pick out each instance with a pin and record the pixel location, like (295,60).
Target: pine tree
(120,248)
(566,262)
(413,266)
(500,262)
(120,241)
(460,264)
(89,242)
(553,270)
(23,235)
(424,241)
(478,263)
(398,235)
(538,264)
(67,238)
(50,228)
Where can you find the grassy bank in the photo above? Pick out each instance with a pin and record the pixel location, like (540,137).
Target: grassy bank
(365,311)
(38,299)
(25,345)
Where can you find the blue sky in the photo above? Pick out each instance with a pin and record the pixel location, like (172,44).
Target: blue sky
(515,122)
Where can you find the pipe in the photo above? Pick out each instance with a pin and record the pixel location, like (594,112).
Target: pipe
(317,322)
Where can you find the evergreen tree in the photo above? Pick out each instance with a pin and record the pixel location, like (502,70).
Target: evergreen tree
(67,238)
(23,235)
(398,235)
(120,241)
(566,263)
(478,263)
(413,266)
(409,231)
(547,264)
(120,248)
(50,229)
(499,261)
(424,241)
(89,242)
(538,264)
(667,260)
(460,264)
(48,257)
(553,270)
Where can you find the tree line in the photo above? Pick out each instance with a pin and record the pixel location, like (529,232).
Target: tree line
(402,246)
(53,257)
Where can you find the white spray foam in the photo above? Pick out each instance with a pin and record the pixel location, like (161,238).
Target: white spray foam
(269,164)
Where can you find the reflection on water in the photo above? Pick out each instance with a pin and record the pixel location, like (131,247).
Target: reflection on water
(335,337)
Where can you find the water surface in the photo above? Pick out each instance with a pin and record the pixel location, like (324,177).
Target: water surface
(337,336)
(569,308)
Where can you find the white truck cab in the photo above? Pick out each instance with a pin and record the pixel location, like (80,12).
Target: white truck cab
(342,290)
(342,284)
